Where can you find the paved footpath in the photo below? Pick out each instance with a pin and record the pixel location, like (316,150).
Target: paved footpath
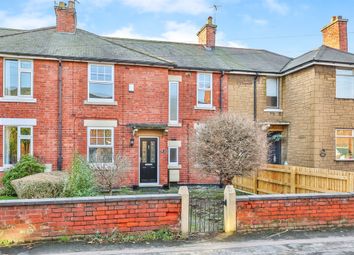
(310,243)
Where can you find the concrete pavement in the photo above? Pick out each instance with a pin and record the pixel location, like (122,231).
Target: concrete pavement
(333,242)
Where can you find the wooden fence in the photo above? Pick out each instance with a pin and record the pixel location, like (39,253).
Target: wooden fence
(280,179)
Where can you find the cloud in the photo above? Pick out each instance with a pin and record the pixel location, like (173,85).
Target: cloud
(193,7)
(176,32)
(259,22)
(276,6)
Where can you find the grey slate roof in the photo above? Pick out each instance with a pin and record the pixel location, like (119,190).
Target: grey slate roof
(83,45)
(321,54)
(195,56)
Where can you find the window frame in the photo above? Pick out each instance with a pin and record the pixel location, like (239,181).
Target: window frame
(342,136)
(173,164)
(278,93)
(344,75)
(19,138)
(99,146)
(173,122)
(19,70)
(99,100)
(205,106)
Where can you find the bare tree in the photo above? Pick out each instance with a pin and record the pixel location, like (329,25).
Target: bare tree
(228,145)
(108,175)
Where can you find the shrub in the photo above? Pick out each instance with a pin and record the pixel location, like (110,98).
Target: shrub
(81,181)
(27,165)
(229,145)
(107,175)
(42,185)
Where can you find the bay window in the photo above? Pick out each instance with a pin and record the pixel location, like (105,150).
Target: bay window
(18,80)
(100,145)
(344,144)
(101,83)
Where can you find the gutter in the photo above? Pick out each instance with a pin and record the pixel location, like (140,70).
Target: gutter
(221,90)
(60,117)
(255,97)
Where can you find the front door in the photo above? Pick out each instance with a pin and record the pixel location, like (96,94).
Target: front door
(148,160)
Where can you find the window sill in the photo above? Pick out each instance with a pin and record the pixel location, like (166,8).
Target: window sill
(88,102)
(174,167)
(207,108)
(273,110)
(5,168)
(344,160)
(18,100)
(175,124)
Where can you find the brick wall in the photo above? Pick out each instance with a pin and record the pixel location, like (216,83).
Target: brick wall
(301,211)
(28,220)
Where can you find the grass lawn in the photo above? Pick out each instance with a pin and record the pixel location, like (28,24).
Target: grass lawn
(7,198)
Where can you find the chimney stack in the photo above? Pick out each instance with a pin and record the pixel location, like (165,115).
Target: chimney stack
(207,34)
(66,17)
(335,34)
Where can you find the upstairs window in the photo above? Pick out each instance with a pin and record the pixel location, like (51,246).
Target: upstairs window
(204,91)
(101,80)
(272,93)
(344,83)
(18,78)
(344,144)
(173,103)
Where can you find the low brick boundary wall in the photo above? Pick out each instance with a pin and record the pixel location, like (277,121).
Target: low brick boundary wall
(295,211)
(37,219)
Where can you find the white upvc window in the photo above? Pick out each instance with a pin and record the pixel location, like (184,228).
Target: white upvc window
(100,141)
(173,102)
(100,83)
(272,92)
(173,156)
(344,144)
(344,83)
(18,78)
(204,90)
(18,141)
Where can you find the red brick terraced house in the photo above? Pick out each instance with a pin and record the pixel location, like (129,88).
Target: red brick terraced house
(65,90)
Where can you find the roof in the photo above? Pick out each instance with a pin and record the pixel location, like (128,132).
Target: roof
(321,54)
(195,56)
(86,46)
(81,45)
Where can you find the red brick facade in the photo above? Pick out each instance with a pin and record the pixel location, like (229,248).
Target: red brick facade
(147,104)
(87,217)
(295,212)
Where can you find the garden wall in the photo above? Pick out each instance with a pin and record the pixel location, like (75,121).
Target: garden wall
(295,211)
(36,219)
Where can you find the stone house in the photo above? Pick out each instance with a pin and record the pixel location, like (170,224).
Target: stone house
(65,90)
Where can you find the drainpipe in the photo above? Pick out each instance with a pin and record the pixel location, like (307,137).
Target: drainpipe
(255,97)
(60,117)
(221,92)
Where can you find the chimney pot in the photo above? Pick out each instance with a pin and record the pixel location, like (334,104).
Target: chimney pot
(335,34)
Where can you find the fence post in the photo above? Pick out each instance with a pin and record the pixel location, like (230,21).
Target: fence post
(350,182)
(230,209)
(183,191)
(255,183)
(293,180)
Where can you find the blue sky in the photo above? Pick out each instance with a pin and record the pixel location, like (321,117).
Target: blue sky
(289,27)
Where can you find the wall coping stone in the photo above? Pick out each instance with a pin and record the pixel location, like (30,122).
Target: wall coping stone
(98,199)
(294,196)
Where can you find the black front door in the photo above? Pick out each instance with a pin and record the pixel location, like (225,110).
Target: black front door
(148,160)
(274,153)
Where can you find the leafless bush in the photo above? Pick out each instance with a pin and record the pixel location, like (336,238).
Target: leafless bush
(108,175)
(228,145)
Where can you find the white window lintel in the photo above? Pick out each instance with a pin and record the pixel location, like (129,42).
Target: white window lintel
(100,123)
(17,122)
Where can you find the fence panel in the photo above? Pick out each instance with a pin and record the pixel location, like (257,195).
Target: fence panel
(280,179)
